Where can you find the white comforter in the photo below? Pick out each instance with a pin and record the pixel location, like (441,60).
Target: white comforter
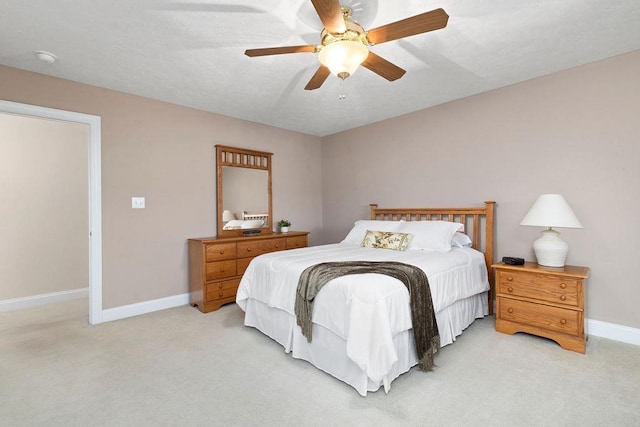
(365,310)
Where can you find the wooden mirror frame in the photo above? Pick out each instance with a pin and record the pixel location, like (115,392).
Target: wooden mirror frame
(242,158)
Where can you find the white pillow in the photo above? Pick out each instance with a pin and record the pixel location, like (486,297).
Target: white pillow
(235,224)
(252,223)
(461,240)
(359,230)
(430,235)
(232,225)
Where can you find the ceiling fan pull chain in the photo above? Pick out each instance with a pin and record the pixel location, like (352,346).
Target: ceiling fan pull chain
(342,94)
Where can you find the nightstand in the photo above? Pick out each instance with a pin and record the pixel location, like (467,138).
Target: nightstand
(543,301)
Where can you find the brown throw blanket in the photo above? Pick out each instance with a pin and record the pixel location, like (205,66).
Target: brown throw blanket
(423,318)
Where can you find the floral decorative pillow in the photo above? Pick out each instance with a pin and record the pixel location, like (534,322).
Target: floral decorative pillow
(386,240)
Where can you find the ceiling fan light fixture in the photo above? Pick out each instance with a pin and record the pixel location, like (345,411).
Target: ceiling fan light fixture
(343,57)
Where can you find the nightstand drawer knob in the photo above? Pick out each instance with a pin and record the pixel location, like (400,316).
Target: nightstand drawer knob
(277,246)
(221,294)
(563,285)
(563,322)
(510,289)
(221,252)
(562,297)
(220,286)
(222,270)
(248,249)
(510,279)
(510,310)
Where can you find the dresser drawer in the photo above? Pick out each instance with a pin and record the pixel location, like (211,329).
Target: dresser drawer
(545,287)
(222,290)
(242,264)
(259,247)
(539,315)
(296,242)
(220,251)
(220,270)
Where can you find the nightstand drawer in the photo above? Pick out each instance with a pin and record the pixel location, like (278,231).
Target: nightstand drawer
(539,315)
(545,287)
(220,270)
(259,247)
(221,290)
(220,251)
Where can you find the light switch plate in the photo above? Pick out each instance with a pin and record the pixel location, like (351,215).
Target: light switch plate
(137,202)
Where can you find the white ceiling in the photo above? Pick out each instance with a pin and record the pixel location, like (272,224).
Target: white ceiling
(192,52)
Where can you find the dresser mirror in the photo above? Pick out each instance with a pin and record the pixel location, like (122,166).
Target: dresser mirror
(243,191)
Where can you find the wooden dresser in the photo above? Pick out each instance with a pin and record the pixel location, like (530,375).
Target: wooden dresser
(216,264)
(544,301)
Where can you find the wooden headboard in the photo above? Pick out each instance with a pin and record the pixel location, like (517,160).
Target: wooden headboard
(480,231)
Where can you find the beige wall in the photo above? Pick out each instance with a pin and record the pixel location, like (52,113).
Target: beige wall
(166,153)
(44,244)
(576,133)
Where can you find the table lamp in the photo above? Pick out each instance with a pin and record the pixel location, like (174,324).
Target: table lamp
(551,210)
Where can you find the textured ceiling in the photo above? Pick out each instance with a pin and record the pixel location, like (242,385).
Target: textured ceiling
(192,52)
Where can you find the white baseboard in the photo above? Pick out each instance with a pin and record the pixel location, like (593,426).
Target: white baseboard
(42,299)
(612,331)
(145,307)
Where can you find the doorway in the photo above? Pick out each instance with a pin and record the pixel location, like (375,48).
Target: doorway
(95,205)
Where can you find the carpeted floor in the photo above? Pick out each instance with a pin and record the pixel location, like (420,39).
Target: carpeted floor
(181,367)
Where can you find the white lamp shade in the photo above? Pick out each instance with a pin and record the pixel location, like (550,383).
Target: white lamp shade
(551,210)
(227,216)
(343,56)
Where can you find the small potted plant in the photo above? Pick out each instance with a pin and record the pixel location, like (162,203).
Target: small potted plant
(284,225)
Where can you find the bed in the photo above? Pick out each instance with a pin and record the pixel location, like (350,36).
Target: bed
(361,324)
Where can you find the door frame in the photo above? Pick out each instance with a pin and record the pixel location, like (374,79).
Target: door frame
(95,191)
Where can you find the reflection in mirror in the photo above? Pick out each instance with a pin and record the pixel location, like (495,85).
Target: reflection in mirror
(246,193)
(243,191)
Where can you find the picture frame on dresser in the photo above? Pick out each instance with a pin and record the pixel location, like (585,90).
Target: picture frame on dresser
(543,301)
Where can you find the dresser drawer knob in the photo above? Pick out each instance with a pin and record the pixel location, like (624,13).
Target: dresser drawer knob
(562,297)
(510,279)
(563,322)
(220,286)
(510,310)
(277,245)
(563,285)
(222,270)
(221,252)
(221,294)
(510,289)
(248,249)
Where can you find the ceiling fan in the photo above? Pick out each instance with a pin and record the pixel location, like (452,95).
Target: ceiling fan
(344,43)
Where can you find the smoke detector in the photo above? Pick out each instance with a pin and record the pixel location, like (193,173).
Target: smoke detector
(47,57)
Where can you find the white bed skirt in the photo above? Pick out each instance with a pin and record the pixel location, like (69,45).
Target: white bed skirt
(328,351)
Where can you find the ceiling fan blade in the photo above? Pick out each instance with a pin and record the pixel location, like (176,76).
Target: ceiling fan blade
(279,50)
(425,22)
(382,67)
(331,15)
(318,78)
